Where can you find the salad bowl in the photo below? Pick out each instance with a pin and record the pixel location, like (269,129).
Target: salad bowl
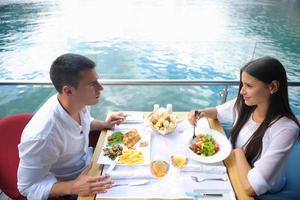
(209,146)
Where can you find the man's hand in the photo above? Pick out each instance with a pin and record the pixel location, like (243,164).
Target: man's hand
(113,119)
(87,185)
(83,185)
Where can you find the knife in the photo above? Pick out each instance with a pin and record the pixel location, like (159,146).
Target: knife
(133,183)
(203,194)
(112,165)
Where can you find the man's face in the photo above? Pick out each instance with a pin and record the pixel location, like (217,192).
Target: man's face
(89,89)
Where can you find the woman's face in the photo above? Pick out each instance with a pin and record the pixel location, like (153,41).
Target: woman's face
(254,91)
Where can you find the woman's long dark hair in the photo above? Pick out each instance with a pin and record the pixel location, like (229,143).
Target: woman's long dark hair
(265,69)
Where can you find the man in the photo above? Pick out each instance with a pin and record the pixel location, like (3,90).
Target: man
(54,153)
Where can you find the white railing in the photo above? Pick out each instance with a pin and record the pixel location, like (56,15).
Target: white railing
(148,82)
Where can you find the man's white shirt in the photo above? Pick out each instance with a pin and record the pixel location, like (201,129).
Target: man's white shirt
(53,147)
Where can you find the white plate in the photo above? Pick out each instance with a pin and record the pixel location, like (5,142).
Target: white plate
(145,136)
(225,148)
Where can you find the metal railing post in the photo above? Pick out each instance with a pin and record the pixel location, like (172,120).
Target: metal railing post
(224,94)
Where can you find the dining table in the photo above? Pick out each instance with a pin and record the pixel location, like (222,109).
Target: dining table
(229,163)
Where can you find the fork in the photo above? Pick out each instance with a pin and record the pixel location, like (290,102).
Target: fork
(195,115)
(200,179)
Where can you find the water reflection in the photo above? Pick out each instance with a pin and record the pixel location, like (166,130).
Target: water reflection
(19,22)
(165,39)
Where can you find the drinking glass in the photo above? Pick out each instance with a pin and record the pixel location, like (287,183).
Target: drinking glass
(179,160)
(159,168)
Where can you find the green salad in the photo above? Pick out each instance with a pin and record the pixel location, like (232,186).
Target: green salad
(204,145)
(116,137)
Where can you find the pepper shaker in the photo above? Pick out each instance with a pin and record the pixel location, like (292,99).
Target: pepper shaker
(155,107)
(169,108)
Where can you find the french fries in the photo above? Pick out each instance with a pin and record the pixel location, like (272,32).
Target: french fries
(131,157)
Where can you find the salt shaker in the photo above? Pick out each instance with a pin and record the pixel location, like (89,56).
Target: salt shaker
(169,108)
(155,107)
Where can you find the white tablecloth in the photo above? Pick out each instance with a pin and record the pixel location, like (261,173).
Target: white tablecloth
(176,183)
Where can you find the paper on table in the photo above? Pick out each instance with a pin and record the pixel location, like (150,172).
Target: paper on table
(133,117)
(209,169)
(130,175)
(130,172)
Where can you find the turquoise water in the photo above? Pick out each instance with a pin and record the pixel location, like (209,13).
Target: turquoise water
(165,39)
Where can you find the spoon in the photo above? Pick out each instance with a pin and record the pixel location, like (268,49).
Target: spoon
(133,183)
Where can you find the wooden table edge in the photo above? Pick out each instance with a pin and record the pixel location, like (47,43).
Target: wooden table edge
(231,167)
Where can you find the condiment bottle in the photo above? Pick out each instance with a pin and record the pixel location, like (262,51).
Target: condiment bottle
(169,108)
(155,107)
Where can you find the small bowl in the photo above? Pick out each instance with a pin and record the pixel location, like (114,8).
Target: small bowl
(162,122)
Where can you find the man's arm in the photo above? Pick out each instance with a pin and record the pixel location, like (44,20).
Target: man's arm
(49,186)
(34,179)
(112,120)
(82,185)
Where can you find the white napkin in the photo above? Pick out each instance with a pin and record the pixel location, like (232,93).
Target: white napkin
(130,172)
(202,123)
(209,169)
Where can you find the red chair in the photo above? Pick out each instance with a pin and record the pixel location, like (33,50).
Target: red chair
(11,128)
(93,138)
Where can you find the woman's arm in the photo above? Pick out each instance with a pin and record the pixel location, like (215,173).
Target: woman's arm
(243,169)
(224,113)
(208,112)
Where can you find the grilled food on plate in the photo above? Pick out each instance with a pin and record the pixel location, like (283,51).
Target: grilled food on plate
(131,138)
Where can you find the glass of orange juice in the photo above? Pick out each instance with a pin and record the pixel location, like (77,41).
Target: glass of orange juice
(179,160)
(159,168)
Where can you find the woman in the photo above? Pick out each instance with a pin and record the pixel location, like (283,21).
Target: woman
(264,127)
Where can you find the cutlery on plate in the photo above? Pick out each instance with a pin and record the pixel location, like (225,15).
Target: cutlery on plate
(112,165)
(203,194)
(133,183)
(200,179)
